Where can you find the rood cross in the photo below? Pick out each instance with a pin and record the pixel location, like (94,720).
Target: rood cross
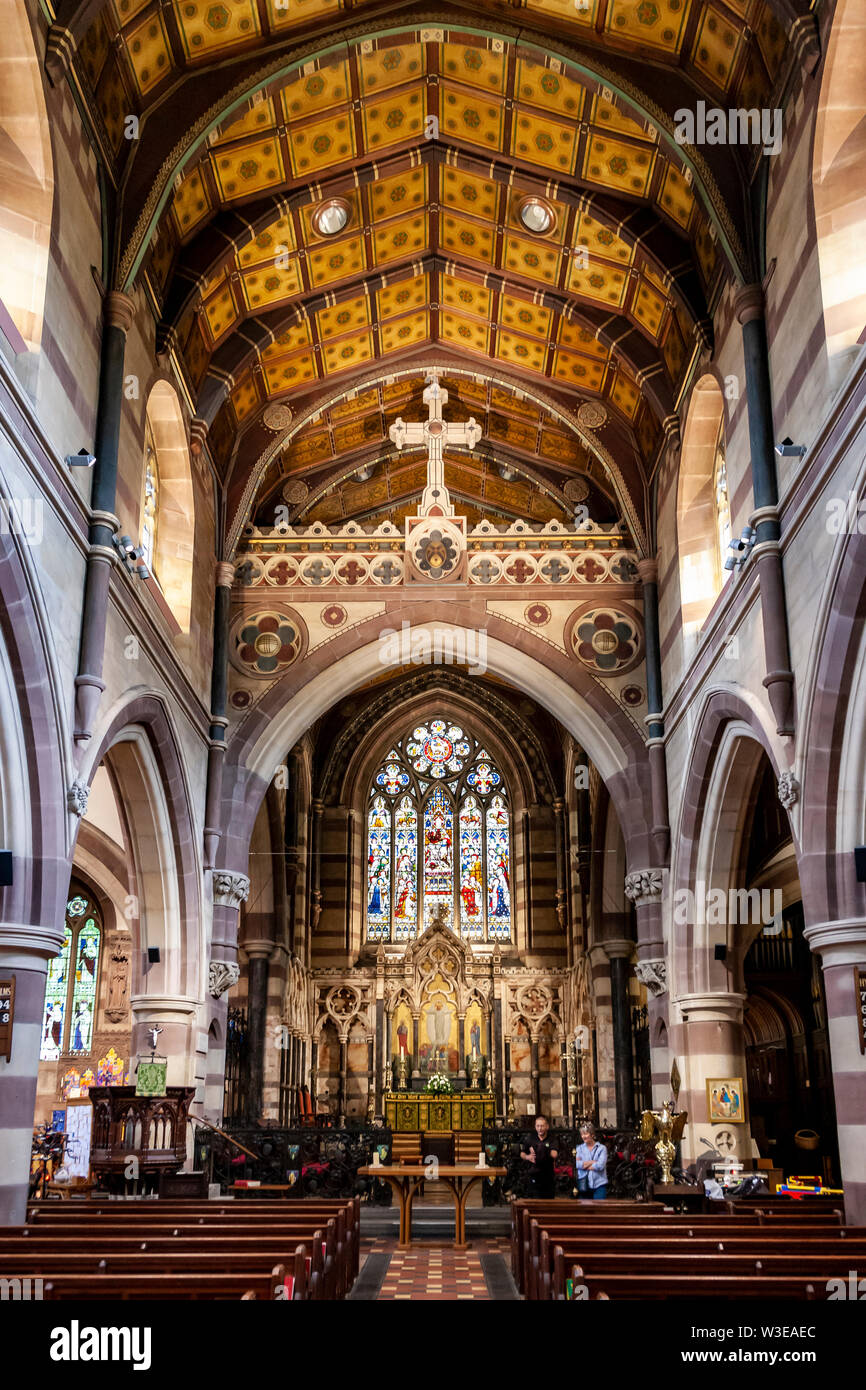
(435,433)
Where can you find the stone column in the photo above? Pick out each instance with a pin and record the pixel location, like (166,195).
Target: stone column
(230,889)
(416,1070)
(258,953)
(344,1077)
(842,948)
(643,888)
(661,831)
(562,905)
(711,1031)
(536,1075)
(461,1044)
(225,574)
(381,1054)
(779,680)
(619,956)
(25,950)
(117,311)
(316,811)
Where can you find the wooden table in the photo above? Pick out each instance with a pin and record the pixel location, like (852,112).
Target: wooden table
(459,1178)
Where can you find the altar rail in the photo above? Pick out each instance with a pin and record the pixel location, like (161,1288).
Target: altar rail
(307,1162)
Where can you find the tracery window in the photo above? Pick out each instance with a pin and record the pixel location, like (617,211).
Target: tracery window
(150,502)
(438,839)
(722,505)
(70,991)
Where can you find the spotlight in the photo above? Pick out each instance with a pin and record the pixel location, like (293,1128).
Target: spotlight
(131,555)
(331,216)
(80,460)
(740,549)
(537,215)
(789,450)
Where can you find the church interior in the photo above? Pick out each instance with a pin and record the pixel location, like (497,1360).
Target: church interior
(517,351)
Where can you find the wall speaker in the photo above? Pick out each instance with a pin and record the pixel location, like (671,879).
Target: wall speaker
(720,951)
(153,955)
(859,863)
(6,868)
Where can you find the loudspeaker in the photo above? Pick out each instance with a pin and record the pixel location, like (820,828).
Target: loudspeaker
(6,868)
(153,955)
(720,951)
(859,863)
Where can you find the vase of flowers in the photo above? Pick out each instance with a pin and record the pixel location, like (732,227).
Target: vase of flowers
(439,1085)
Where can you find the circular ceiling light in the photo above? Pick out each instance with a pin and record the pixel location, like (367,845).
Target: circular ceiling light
(331,216)
(537,215)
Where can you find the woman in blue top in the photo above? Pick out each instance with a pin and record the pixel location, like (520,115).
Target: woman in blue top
(590,1165)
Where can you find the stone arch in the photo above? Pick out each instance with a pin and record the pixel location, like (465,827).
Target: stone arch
(26,183)
(173,549)
(701,575)
(838,167)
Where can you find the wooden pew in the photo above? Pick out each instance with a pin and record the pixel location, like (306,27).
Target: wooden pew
(167,1287)
(719,1286)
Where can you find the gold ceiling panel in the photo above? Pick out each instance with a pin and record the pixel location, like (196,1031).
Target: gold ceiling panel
(649,307)
(290,372)
(191,204)
(601,241)
(542,86)
(344,317)
(382,68)
(536,259)
(607,116)
(601,282)
(617,165)
(400,238)
(291,340)
(541,140)
(268,285)
(149,52)
(467,333)
(207,27)
(404,332)
(282,15)
(465,297)
(259,116)
(404,295)
(125,10)
(398,194)
(334,262)
(321,144)
(469,193)
(580,371)
(674,349)
(650,23)
(220,311)
(524,317)
(336,357)
(626,394)
(567,10)
(478,67)
(676,197)
(316,91)
(717,47)
(247,169)
(465,238)
(356,405)
(473,118)
(277,239)
(393,119)
(580,339)
(245,397)
(526,353)
(356,433)
(516,432)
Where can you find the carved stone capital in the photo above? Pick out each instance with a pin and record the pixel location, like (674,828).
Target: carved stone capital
(749,303)
(76,798)
(229,889)
(652,974)
(643,886)
(225,574)
(648,570)
(789,790)
(118,310)
(222,975)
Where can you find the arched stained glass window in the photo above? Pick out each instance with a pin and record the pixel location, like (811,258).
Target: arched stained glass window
(722,505)
(70,993)
(438,843)
(150,501)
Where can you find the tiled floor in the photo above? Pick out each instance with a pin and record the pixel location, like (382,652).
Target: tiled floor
(433,1271)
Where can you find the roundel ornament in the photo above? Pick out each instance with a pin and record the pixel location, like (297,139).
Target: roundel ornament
(437,549)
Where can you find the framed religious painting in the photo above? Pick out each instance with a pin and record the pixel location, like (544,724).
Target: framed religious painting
(725,1100)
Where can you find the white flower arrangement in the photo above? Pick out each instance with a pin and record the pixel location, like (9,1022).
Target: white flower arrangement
(439,1084)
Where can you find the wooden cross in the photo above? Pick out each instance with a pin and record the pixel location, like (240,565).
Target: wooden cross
(436,434)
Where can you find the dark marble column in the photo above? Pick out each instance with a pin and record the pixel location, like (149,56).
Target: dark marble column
(661,831)
(258,954)
(562,904)
(416,1071)
(536,1078)
(497,1052)
(344,1076)
(619,955)
(779,680)
(381,1055)
(118,311)
(461,1044)
(225,573)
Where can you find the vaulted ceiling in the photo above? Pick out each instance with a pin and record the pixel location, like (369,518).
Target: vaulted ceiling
(431,135)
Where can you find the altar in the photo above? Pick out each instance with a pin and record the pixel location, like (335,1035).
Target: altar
(419,1110)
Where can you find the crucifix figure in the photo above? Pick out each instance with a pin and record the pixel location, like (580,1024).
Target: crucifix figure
(435,433)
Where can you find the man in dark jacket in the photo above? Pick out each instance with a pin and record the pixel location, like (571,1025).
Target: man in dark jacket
(537,1151)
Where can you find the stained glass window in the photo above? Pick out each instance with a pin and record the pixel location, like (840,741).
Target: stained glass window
(405,870)
(471,873)
(379,872)
(150,502)
(70,991)
(723,505)
(438,838)
(498,871)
